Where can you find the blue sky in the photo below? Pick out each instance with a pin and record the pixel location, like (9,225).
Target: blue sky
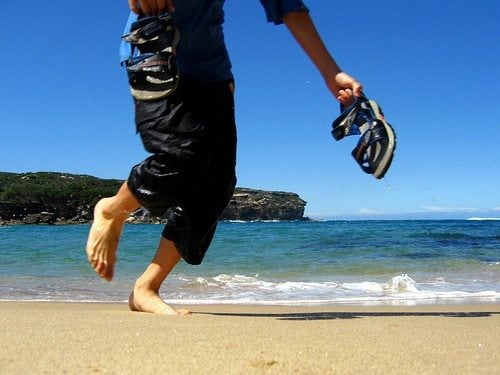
(433,67)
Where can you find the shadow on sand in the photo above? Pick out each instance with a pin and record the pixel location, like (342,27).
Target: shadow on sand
(354,315)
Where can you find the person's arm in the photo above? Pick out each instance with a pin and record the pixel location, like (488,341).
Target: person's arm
(342,85)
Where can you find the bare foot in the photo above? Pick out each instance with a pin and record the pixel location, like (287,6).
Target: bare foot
(149,301)
(102,243)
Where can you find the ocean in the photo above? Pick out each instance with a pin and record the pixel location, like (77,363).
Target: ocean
(270,263)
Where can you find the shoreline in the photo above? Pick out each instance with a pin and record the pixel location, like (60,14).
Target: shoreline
(403,303)
(90,337)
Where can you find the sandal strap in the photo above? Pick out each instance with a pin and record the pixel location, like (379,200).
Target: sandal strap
(342,126)
(152,72)
(375,148)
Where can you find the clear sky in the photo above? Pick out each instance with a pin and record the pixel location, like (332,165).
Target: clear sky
(432,65)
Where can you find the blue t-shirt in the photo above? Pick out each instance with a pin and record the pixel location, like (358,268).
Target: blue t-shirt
(201,52)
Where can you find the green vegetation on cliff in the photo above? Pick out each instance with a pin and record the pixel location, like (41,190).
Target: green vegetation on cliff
(51,197)
(53,188)
(66,195)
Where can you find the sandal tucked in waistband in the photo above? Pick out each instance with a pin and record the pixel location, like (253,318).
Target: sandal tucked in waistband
(152,67)
(375,149)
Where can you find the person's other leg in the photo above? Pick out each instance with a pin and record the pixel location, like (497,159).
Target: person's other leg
(109,216)
(145,297)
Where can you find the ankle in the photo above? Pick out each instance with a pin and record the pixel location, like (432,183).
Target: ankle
(111,210)
(143,286)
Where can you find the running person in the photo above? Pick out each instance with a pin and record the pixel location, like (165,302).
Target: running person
(191,135)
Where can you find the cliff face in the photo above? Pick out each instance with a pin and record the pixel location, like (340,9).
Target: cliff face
(250,204)
(46,197)
(49,198)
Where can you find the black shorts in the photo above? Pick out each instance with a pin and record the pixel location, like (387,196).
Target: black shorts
(190,176)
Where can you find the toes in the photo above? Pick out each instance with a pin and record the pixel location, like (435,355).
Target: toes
(99,267)
(103,269)
(94,261)
(107,275)
(90,254)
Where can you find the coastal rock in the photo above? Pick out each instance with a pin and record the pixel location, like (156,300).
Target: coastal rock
(250,204)
(40,218)
(57,198)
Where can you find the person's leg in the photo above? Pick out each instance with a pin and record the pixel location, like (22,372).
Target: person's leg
(145,297)
(109,217)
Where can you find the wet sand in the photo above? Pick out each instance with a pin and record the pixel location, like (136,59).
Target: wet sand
(90,338)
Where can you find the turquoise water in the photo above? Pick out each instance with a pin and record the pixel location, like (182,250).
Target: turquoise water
(355,262)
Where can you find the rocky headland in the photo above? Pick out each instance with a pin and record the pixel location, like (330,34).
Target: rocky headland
(62,198)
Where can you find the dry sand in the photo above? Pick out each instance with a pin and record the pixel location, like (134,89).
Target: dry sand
(76,338)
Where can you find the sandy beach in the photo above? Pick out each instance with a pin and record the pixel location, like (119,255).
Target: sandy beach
(76,338)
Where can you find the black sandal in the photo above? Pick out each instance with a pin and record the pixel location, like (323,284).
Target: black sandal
(375,149)
(152,70)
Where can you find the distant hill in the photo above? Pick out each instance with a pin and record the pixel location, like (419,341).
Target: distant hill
(51,198)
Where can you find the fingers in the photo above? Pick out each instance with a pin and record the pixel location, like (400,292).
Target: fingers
(147,6)
(151,7)
(358,89)
(346,97)
(170,6)
(347,88)
(132,4)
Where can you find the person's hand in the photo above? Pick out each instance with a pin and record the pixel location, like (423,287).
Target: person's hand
(344,87)
(151,7)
